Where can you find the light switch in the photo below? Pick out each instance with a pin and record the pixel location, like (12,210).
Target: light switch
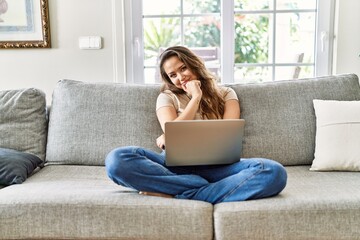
(90,42)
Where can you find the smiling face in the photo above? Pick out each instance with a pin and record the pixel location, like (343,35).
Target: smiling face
(178,73)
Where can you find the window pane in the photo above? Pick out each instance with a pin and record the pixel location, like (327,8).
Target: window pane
(152,75)
(295,4)
(159,33)
(214,69)
(160,7)
(252,74)
(246,5)
(295,37)
(202,31)
(252,36)
(287,73)
(306,72)
(201,6)
(293,72)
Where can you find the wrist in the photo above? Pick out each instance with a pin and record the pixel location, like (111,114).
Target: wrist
(196,98)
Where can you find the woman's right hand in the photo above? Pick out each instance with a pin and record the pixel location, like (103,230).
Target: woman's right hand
(193,88)
(160,141)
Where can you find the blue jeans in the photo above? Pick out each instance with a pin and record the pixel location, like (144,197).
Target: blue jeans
(145,170)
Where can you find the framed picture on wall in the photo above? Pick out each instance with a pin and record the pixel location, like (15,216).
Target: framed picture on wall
(24,24)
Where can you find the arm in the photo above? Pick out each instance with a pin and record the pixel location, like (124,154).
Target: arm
(164,114)
(168,113)
(232,109)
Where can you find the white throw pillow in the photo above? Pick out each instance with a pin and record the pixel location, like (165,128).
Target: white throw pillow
(337,144)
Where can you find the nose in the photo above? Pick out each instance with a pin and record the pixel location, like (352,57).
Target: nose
(180,77)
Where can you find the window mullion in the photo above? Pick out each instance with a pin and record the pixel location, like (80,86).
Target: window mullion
(227,41)
(324,37)
(274,42)
(182,22)
(134,42)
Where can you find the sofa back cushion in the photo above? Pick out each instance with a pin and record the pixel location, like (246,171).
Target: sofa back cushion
(280,117)
(23,121)
(88,120)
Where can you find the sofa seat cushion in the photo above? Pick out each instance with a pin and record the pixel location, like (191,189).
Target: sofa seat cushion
(314,205)
(67,202)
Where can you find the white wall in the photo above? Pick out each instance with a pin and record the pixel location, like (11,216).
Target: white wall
(347,37)
(69,19)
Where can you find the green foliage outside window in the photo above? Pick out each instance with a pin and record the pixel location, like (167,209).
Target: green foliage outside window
(251,45)
(160,35)
(252,34)
(251,39)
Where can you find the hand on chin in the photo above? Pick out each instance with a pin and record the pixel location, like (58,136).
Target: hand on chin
(183,86)
(191,87)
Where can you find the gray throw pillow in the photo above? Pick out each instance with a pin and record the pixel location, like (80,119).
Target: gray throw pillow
(16,166)
(23,121)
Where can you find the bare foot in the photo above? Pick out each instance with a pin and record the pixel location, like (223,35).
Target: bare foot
(156,194)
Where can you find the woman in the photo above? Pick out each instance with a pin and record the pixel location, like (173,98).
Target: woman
(190,92)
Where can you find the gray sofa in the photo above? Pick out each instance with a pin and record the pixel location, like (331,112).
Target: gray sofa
(72,198)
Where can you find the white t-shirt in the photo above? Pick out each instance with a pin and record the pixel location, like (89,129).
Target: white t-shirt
(180,101)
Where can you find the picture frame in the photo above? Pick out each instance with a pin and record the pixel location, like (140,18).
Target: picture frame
(24,24)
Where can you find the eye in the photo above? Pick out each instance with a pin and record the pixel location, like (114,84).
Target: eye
(172,75)
(183,68)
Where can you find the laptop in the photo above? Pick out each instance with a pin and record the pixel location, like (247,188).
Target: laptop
(203,142)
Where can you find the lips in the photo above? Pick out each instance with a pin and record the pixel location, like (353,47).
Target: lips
(183,84)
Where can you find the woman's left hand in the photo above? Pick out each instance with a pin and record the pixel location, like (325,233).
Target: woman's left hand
(160,141)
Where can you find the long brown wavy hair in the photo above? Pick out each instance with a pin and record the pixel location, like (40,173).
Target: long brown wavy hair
(212,103)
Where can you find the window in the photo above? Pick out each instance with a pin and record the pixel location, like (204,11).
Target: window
(242,41)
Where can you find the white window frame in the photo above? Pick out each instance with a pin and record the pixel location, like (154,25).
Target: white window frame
(325,37)
(134,43)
